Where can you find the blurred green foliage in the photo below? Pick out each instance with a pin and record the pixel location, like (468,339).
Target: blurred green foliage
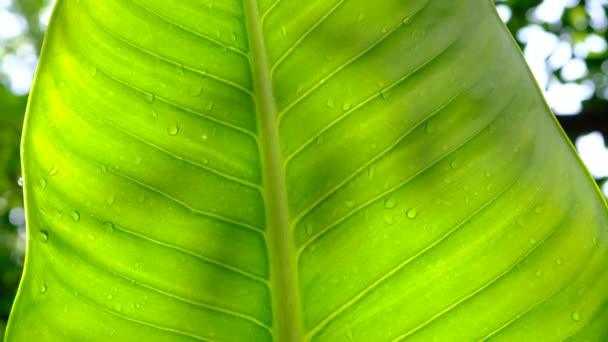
(579,20)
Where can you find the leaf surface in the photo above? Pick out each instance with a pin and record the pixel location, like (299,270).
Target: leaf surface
(301,171)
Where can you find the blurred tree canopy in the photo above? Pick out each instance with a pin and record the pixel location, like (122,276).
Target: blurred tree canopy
(564,42)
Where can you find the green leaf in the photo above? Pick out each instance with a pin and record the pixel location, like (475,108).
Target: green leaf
(292,170)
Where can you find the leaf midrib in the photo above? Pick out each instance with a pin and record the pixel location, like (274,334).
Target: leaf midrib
(283,275)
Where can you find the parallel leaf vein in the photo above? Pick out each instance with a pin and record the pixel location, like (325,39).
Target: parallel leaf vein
(334,314)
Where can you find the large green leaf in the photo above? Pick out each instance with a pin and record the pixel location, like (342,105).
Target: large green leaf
(301,170)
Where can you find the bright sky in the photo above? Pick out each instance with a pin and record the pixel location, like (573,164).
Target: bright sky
(544,52)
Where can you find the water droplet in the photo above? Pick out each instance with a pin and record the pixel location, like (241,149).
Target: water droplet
(91,237)
(104,169)
(320,140)
(389,219)
(576,316)
(594,241)
(75,216)
(346,105)
(43,183)
(233,36)
(532,241)
(109,297)
(558,261)
(390,203)
(384,30)
(406,20)
(20,181)
(138,161)
(173,130)
(137,305)
(148,97)
(488,174)
(539,273)
(44,235)
(196,91)
(385,94)
(538,210)
(283,31)
(371,172)
(349,203)
(108,227)
(42,288)
(204,160)
(349,334)
(412,213)
(94,71)
(454,164)
(309,229)
(360,17)
(330,103)
(110,199)
(430,127)
(54,171)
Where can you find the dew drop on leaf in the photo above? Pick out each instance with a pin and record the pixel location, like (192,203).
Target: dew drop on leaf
(430,127)
(371,172)
(94,71)
(104,169)
(346,106)
(196,91)
(385,94)
(539,273)
(118,307)
(309,229)
(576,316)
(110,199)
(75,216)
(54,171)
(349,334)
(108,227)
(148,97)
(389,219)
(44,236)
(390,203)
(412,213)
(361,17)
(43,183)
(558,261)
(42,288)
(330,103)
(109,297)
(532,241)
(173,130)
(454,165)
(283,31)
(349,203)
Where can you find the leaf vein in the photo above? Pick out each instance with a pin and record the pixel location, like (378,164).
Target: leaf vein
(334,314)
